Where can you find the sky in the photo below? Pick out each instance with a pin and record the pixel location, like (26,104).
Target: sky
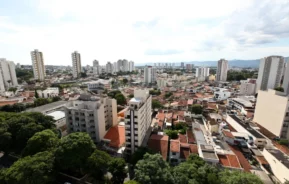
(143,31)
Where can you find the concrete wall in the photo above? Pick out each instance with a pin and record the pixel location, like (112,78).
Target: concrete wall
(270,110)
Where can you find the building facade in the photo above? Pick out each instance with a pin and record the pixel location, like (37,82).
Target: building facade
(137,119)
(285,84)
(7,75)
(248,87)
(122,65)
(76,64)
(38,65)
(93,115)
(149,75)
(109,67)
(222,70)
(48,93)
(270,73)
(96,67)
(202,72)
(272,112)
(131,66)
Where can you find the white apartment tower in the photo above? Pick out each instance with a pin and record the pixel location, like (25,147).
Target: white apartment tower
(7,75)
(272,112)
(222,70)
(38,65)
(149,74)
(122,65)
(248,87)
(286,80)
(109,67)
(131,66)
(93,115)
(76,64)
(202,72)
(270,72)
(137,119)
(96,67)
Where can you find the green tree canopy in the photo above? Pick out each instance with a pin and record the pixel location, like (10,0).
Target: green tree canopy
(131,182)
(173,134)
(31,170)
(279,89)
(74,150)
(196,109)
(120,99)
(156,104)
(97,164)
(153,169)
(118,170)
(45,140)
(237,177)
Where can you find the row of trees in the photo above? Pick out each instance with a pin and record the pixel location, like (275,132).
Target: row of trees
(120,98)
(153,169)
(45,155)
(239,75)
(19,107)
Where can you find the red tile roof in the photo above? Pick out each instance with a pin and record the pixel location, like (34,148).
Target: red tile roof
(184,152)
(183,138)
(191,138)
(116,135)
(159,143)
(175,146)
(243,161)
(194,149)
(229,161)
(228,134)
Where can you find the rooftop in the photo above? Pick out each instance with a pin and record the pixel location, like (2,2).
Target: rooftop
(57,115)
(175,146)
(159,143)
(247,127)
(280,156)
(243,161)
(116,135)
(228,160)
(47,107)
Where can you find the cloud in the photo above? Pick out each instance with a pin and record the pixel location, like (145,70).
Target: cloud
(162,52)
(164,31)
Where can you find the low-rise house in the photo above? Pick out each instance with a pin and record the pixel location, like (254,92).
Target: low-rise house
(48,93)
(208,153)
(230,161)
(159,144)
(221,94)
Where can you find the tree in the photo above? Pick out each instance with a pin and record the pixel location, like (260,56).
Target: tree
(83,75)
(167,95)
(153,169)
(238,177)
(131,96)
(36,94)
(131,182)
(118,170)
(5,137)
(32,169)
(279,89)
(120,99)
(283,142)
(45,140)
(156,104)
(74,150)
(139,154)
(173,134)
(125,81)
(97,164)
(12,89)
(196,109)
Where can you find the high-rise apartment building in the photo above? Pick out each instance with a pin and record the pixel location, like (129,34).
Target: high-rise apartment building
(94,115)
(222,70)
(38,65)
(115,69)
(149,74)
(272,112)
(182,65)
(202,72)
(248,87)
(131,66)
(137,119)
(7,75)
(122,65)
(285,84)
(109,67)
(96,67)
(189,67)
(270,72)
(76,64)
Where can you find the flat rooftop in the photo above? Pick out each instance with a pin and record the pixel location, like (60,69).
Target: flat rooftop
(57,115)
(247,127)
(47,107)
(280,156)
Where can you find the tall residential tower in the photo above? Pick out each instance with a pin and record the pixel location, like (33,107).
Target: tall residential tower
(76,64)
(7,75)
(38,65)
(149,74)
(222,70)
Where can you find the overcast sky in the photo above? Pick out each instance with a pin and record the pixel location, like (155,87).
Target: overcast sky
(143,31)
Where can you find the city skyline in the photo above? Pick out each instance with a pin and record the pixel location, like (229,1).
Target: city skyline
(226,29)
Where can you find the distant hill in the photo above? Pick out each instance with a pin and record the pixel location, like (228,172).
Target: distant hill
(235,63)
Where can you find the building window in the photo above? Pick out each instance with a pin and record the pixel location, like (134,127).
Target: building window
(174,153)
(287,114)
